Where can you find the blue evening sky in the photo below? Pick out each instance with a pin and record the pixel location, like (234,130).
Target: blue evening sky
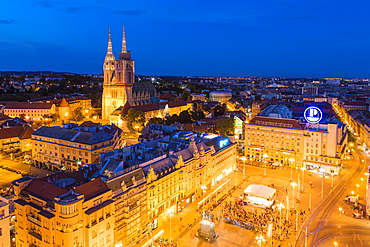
(292,38)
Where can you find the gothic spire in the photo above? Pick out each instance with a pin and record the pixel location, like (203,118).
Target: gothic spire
(110,55)
(124,54)
(124,48)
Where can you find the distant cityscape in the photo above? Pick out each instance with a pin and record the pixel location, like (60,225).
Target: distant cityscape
(119,159)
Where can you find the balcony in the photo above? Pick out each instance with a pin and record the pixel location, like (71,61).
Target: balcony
(34,219)
(35,234)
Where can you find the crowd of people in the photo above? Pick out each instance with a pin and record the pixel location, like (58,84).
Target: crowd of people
(161,242)
(236,213)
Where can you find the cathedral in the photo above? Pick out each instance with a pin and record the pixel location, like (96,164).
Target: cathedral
(119,86)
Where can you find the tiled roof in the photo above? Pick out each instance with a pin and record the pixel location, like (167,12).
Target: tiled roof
(161,167)
(92,188)
(76,135)
(115,184)
(176,103)
(43,190)
(27,105)
(63,103)
(276,122)
(22,132)
(89,124)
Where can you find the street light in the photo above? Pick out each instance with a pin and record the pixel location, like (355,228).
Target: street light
(170,211)
(335,244)
(357,186)
(243,159)
(265,156)
(280,207)
(302,186)
(293,184)
(291,169)
(260,239)
(340,213)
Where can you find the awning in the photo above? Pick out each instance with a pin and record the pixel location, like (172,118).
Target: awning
(260,191)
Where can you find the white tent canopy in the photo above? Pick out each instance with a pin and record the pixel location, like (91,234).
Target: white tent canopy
(260,191)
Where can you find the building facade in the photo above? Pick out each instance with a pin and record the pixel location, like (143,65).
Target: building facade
(32,111)
(290,143)
(4,223)
(71,147)
(51,213)
(119,84)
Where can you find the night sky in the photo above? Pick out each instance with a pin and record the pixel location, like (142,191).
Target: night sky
(291,38)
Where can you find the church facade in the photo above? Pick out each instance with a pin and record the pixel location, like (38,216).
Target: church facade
(119,84)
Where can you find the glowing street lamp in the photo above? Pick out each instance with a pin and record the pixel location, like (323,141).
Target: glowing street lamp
(260,239)
(291,169)
(280,207)
(170,212)
(302,186)
(340,213)
(335,244)
(264,172)
(293,184)
(243,159)
(357,186)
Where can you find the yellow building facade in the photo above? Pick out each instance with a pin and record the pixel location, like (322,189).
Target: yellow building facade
(289,143)
(48,215)
(73,147)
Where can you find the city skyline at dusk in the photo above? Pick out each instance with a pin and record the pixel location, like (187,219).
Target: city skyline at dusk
(254,38)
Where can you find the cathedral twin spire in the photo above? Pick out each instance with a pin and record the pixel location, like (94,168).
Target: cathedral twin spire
(124,54)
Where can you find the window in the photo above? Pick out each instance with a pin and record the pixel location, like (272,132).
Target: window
(94,234)
(108,226)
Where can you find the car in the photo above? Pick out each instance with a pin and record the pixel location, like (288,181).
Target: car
(351,198)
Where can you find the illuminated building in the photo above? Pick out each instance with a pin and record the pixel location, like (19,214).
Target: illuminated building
(291,143)
(56,211)
(160,110)
(177,169)
(18,137)
(119,84)
(66,105)
(4,223)
(33,111)
(71,147)
(130,201)
(221,97)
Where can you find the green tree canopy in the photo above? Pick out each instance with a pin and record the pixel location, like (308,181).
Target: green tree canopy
(225,126)
(185,117)
(156,120)
(219,110)
(77,115)
(198,115)
(135,120)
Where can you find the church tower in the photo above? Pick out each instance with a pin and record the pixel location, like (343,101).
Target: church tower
(118,78)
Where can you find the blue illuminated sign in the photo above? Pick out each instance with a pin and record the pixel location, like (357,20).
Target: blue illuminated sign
(312,114)
(224,142)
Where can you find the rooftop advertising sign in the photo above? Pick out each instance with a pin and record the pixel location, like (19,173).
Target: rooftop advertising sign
(312,114)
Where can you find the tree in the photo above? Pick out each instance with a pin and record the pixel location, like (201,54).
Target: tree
(156,120)
(219,110)
(198,115)
(135,120)
(172,119)
(22,116)
(185,117)
(225,126)
(77,115)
